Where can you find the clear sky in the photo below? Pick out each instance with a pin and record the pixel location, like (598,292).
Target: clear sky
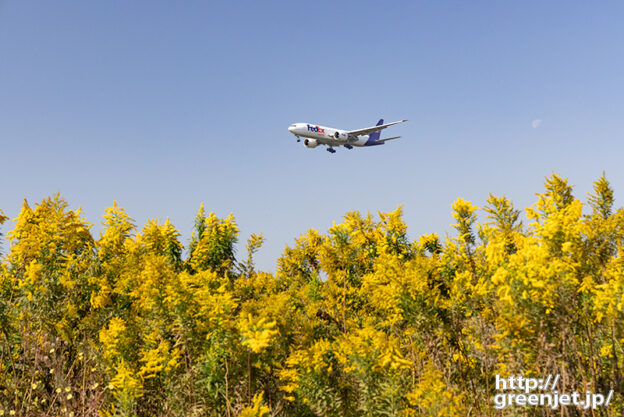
(164,105)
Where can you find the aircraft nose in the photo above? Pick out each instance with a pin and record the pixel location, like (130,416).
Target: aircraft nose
(292,128)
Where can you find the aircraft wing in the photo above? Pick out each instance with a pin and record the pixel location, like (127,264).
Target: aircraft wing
(372,129)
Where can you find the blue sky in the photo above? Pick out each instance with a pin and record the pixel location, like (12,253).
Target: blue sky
(162,106)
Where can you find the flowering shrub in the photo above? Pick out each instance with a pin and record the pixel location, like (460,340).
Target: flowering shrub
(360,320)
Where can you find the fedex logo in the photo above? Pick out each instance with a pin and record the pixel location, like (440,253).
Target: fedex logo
(315,129)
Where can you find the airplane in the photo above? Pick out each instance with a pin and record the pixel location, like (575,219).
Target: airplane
(320,135)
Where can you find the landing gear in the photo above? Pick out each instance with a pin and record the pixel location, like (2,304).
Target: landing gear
(331,150)
(348,146)
(298,139)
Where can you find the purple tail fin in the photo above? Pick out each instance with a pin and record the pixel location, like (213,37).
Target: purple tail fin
(375,135)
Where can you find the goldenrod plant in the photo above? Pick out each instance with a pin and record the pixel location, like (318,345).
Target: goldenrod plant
(360,320)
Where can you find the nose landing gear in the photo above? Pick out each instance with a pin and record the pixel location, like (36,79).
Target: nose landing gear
(331,150)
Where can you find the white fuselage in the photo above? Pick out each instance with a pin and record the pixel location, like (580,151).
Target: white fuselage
(326,135)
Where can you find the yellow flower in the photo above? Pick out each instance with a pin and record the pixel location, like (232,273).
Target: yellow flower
(257,334)
(258,409)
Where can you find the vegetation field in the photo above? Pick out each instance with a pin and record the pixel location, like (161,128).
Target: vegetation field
(360,320)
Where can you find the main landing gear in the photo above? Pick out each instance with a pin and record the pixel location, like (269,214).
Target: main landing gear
(348,146)
(331,150)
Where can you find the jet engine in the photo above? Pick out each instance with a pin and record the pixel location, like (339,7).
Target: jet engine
(310,143)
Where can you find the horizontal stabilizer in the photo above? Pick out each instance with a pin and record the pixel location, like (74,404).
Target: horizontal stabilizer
(383,140)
